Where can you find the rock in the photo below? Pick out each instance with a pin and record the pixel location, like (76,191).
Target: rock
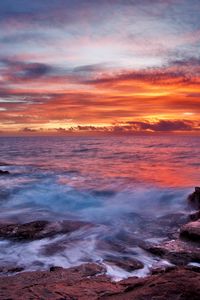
(194,198)
(174,285)
(169,224)
(111,244)
(26,231)
(159,227)
(15,269)
(70,283)
(191,231)
(10,269)
(4,172)
(162,269)
(90,269)
(195,216)
(177,251)
(39,229)
(55,269)
(74,283)
(194,267)
(126,263)
(172,220)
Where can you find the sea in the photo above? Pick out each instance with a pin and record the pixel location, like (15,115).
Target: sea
(121,185)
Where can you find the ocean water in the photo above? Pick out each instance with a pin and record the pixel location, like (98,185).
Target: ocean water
(122,186)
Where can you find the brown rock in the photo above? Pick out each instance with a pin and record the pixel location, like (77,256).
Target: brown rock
(193,267)
(55,269)
(195,216)
(10,269)
(74,284)
(39,229)
(126,263)
(177,251)
(70,283)
(168,224)
(194,198)
(4,172)
(162,269)
(174,285)
(90,269)
(26,231)
(191,231)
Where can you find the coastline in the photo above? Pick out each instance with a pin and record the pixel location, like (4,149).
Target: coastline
(83,283)
(180,280)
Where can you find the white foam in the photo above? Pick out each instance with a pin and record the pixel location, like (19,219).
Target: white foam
(195,264)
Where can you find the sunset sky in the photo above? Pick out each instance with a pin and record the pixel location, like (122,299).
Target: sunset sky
(106,65)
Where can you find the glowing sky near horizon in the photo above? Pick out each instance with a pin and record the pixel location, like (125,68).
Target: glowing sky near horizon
(126,64)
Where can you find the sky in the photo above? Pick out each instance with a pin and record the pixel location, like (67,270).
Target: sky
(106,66)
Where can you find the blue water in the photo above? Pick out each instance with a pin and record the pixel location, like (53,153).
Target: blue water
(107,181)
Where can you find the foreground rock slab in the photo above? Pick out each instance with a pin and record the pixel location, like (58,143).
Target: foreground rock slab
(174,285)
(83,283)
(74,283)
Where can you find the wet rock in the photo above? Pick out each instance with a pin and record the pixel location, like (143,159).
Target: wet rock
(191,231)
(161,227)
(65,226)
(39,229)
(169,224)
(4,172)
(195,216)
(177,284)
(177,251)
(55,269)
(23,231)
(53,248)
(111,244)
(162,269)
(90,269)
(126,263)
(172,220)
(78,283)
(10,269)
(74,283)
(194,198)
(194,267)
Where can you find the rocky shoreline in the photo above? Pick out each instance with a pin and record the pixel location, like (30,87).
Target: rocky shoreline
(89,282)
(178,280)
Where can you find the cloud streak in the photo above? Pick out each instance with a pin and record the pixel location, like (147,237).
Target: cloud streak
(131,127)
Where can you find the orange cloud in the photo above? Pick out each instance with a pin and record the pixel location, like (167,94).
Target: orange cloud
(32,96)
